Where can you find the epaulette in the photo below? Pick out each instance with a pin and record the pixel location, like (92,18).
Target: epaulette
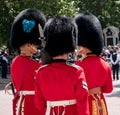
(103,58)
(75,66)
(41,67)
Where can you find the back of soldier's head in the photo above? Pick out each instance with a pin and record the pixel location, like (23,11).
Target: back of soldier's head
(60,33)
(89,32)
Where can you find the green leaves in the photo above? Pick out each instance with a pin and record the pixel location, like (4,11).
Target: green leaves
(108,11)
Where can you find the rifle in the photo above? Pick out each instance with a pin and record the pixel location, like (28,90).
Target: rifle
(45,57)
(42,38)
(10,84)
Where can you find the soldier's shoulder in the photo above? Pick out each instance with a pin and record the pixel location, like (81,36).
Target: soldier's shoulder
(75,66)
(41,67)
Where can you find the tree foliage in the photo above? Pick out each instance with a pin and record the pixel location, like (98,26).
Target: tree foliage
(107,11)
(10,8)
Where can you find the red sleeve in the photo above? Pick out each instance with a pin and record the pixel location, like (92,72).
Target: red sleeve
(17,74)
(108,85)
(82,95)
(39,100)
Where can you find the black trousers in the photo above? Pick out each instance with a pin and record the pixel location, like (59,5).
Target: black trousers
(4,70)
(115,70)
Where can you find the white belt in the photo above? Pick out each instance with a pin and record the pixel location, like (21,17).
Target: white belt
(59,103)
(21,93)
(26,93)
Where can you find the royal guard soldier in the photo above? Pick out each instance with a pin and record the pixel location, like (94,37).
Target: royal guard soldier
(97,71)
(60,87)
(25,37)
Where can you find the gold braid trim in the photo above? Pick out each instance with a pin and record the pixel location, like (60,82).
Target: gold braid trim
(98,108)
(103,107)
(94,108)
(22,107)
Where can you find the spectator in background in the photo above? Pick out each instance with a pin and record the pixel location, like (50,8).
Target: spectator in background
(114,58)
(4,64)
(110,49)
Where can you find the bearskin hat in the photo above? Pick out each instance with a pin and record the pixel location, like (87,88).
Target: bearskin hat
(60,33)
(89,32)
(25,28)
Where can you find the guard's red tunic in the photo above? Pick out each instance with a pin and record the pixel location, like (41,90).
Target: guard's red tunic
(22,73)
(98,74)
(58,82)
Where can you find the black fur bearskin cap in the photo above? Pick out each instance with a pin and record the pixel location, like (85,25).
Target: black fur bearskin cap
(89,32)
(61,35)
(25,28)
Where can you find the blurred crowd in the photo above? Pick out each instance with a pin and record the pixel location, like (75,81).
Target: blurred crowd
(112,55)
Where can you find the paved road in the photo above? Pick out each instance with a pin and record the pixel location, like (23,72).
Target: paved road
(113,99)
(5,99)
